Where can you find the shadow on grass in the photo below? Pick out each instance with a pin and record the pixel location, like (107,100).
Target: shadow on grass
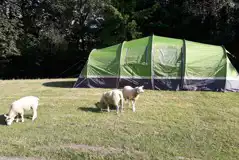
(94,109)
(2,120)
(60,84)
(89,109)
(28,116)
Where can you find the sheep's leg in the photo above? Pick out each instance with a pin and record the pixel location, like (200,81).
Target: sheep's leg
(122,106)
(117,109)
(133,105)
(34,114)
(34,111)
(22,116)
(108,108)
(17,119)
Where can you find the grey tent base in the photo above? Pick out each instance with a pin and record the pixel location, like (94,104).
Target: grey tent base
(219,85)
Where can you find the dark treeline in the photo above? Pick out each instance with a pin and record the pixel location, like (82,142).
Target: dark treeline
(53,38)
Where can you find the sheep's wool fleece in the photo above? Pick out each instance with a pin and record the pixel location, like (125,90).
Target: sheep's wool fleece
(24,103)
(130,93)
(112,97)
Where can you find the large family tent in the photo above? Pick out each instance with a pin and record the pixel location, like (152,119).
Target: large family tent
(160,63)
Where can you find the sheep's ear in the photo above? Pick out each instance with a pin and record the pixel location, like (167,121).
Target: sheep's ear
(140,87)
(5,115)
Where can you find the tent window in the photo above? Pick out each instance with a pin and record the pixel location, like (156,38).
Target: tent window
(136,55)
(168,55)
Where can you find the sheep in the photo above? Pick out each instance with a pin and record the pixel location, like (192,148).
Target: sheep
(132,94)
(17,108)
(113,97)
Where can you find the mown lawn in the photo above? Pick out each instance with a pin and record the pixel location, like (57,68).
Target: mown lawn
(166,124)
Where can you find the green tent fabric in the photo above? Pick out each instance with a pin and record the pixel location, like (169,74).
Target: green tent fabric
(160,63)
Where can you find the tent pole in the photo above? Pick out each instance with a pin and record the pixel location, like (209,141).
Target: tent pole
(183,61)
(152,62)
(119,70)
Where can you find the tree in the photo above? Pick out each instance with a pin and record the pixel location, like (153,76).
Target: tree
(10,29)
(118,24)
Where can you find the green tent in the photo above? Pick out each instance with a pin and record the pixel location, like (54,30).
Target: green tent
(160,63)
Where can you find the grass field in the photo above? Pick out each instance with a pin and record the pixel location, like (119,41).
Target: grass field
(166,125)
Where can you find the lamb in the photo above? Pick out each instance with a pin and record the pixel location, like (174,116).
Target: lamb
(132,94)
(113,97)
(17,108)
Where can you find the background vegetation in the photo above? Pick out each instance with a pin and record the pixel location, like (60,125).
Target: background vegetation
(43,38)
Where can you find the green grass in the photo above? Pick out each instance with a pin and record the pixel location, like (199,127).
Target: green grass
(166,125)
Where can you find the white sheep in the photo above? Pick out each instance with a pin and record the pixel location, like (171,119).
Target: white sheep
(113,97)
(17,108)
(132,94)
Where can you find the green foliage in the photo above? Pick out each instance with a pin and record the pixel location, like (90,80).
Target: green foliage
(132,28)
(52,30)
(10,33)
(113,26)
(119,24)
